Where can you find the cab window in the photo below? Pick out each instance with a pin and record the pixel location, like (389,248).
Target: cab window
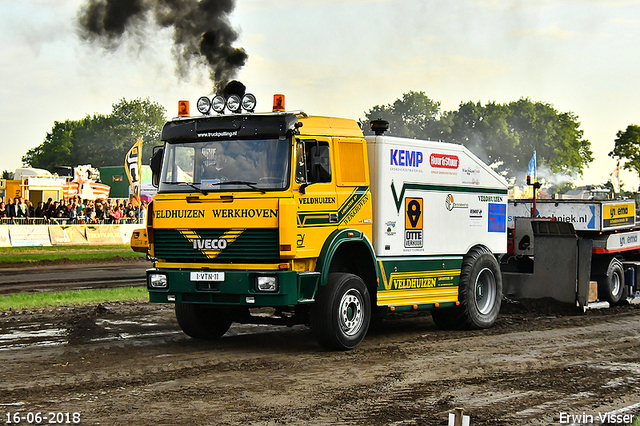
(313,161)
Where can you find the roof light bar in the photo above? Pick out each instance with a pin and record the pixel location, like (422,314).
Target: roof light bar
(233,103)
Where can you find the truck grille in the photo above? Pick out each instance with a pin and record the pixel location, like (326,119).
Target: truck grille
(247,246)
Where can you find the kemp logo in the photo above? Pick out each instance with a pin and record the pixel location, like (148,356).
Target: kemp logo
(444,161)
(401,157)
(413,232)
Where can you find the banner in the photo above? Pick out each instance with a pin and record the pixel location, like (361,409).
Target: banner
(29,235)
(88,191)
(67,235)
(4,236)
(103,234)
(133,165)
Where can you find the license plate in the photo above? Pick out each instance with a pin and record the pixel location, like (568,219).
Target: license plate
(206,276)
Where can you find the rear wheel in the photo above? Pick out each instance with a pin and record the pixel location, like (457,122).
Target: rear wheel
(479,293)
(202,321)
(340,316)
(610,278)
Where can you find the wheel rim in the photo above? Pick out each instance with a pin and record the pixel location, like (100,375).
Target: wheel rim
(485,291)
(616,285)
(351,314)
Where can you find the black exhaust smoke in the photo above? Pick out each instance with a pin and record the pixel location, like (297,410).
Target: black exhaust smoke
(201,30)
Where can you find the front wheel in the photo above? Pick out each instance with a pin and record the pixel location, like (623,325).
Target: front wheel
(202,321)
(479,293)
(340,316)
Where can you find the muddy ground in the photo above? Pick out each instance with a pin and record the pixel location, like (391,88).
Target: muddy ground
(129,364)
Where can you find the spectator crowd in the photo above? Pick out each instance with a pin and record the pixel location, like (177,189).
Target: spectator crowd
(72,211)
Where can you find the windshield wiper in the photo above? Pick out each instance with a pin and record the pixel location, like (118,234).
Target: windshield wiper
(187,184)
(251,185)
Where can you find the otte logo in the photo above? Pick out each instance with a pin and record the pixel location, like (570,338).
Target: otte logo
(444,161)
(210,244)
(413,231)
(400,157)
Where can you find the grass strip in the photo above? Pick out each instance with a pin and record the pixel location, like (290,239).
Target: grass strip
(22,301)
(37,254)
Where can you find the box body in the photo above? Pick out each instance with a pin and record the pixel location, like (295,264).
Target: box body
(433,198)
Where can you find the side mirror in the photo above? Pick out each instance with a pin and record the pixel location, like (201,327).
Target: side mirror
(320,163)
(156,165)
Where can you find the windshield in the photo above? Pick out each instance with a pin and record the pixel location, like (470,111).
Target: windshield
(260,164)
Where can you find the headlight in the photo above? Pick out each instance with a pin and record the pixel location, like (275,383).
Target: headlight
(249,102)
(204,105)
(233,103)
(218,104)
(158,281)
(267,283)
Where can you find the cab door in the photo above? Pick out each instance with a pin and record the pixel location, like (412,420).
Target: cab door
(316,199)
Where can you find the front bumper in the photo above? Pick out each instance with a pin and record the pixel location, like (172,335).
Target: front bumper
(238,288)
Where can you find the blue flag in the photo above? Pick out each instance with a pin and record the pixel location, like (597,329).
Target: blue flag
(532,174)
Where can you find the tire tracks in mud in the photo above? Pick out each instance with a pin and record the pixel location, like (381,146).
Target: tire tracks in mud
(523,371)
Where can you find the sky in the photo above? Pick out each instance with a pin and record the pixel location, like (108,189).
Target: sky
(339,58)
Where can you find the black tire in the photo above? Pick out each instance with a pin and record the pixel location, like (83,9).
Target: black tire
(479,293)
(340,316)
(202,321)
(611,285)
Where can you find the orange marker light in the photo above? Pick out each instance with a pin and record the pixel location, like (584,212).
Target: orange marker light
(183,108)
(278,103)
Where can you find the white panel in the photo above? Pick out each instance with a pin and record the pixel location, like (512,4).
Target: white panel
(443,185)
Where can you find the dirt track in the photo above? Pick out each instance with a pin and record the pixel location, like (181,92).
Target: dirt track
(125,364)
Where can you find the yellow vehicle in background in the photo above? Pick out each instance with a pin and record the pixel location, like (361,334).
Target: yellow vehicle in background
(286,218)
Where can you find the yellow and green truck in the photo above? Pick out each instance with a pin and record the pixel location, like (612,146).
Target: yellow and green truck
(288,218)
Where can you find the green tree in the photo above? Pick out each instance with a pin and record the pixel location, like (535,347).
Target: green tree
(7,175)
(627,148)
(506,135)
(502,135)
(57,148)
(413,116)
(100,140)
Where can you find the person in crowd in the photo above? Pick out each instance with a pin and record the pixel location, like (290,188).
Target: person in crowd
(31,211)
(52,210)
(11,209)
(72,210)
(90,215)
(142,215)
(39,211)
(99,212)
(20,208)
(81,206)
(3,210)
(47,206)
(131,217)
(117,214)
